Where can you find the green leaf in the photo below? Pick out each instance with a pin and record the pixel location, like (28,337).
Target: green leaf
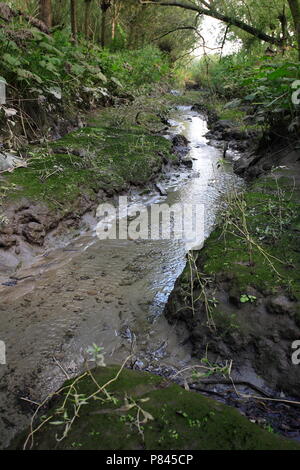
(101,77)
(251,97)
(244,298)
(233,104)
(26,74)
(77,69)
(116,81)
(12,60)
(56,92)
(247,298)
(50,48)
(48,66)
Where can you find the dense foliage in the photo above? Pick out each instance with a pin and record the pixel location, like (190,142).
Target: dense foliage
(266,86)
(58,57)
(47,75)
(277,24)
(37,62)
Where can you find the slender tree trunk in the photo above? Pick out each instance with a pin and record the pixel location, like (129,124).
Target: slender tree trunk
(73,11)
(103,27)
(104,5)
(45,12)
(87,13)
(295,10)
(115,16)
(113,28)
(284,29)
(130,35)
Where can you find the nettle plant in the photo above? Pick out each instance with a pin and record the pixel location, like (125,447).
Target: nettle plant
(35,64)
(273,93)
(32,61)
(267,87)
(47,75)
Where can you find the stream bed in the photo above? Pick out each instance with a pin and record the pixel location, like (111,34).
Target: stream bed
(108,292)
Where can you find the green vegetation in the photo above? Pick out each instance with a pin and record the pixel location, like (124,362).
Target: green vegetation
(138,410)
(78,58)
(252,22)
(258,238)
(87,103)
(52,66)
(86,161)
(54,78)
(262,88)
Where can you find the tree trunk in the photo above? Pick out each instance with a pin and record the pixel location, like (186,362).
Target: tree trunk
(115,16)
(104,5)
(113,28)
(73,12)
(295,10)
(87,13)
(284,29)
(45,12)
(103,27)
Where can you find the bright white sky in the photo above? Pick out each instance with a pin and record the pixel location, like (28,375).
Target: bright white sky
(210,29)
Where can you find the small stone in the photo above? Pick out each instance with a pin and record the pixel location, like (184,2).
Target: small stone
(78,297)
(92,292)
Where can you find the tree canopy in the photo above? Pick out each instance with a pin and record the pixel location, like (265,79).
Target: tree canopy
(276,22)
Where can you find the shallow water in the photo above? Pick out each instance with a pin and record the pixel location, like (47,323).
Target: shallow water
(109,292)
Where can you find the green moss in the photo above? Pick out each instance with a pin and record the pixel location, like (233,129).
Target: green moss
(181,419)
(271,209)
(86,161)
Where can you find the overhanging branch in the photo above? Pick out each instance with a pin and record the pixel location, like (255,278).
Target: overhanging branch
(179,28)
(209,11)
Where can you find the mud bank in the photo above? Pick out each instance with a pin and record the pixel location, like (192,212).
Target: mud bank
(68,178)
(111,293)
(142,411)
(230,130)
(239,298)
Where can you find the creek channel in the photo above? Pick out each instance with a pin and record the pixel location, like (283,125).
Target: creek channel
(108,292)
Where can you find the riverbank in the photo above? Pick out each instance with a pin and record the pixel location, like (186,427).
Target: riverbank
(59,182)
(111,295)
(141,411)
(239,297)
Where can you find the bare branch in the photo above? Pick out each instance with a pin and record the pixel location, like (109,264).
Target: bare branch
(179,28)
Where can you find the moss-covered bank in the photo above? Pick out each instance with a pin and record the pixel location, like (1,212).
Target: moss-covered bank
(143,411)
(68,177)
(86,161)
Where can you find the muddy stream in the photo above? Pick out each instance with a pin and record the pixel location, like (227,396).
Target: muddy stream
(108,292)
